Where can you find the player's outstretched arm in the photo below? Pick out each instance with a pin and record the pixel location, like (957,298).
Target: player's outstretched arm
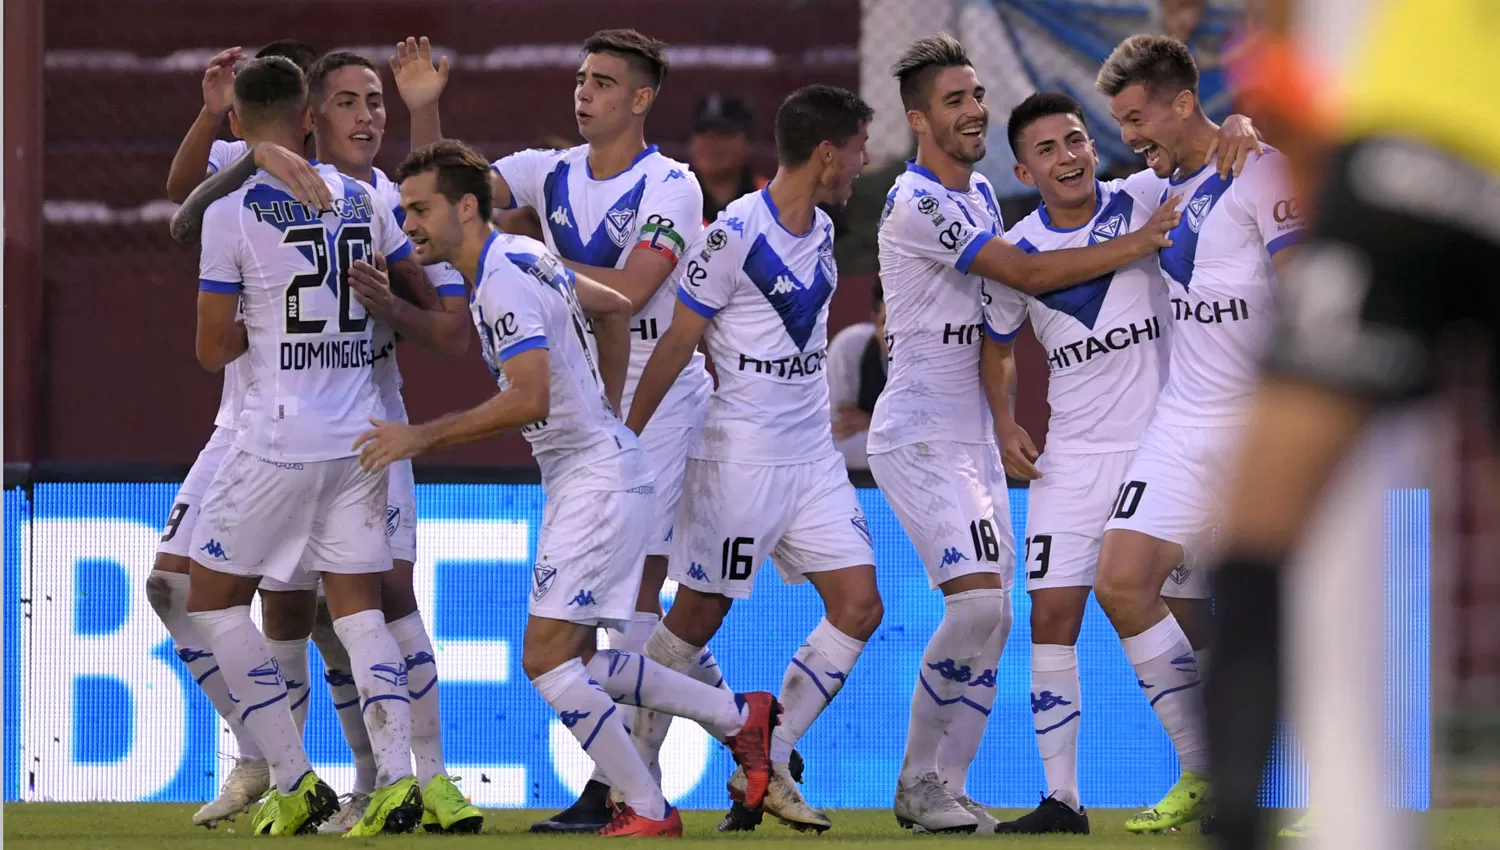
(644,273)
(1035,274)
(670,356)
(420,84)
(305,182)
(610,312)
(528,399)
(190,163)
(220,338)
(997,374)
(402,296)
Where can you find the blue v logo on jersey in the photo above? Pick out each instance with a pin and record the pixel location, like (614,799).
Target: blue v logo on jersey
(1084,301)
(608,239)
(798,303)
(1178,260)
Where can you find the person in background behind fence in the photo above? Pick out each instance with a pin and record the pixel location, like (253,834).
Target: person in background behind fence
(856,375)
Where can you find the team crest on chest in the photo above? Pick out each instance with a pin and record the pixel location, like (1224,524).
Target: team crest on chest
(1198,210)
(618,224)
(825,260)
(1110,228)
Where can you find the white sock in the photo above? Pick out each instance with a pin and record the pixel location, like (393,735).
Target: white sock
(972,713)
(634,679)
(651,727)
(706,669)
(292,656)
(422,685)
(632,639)
(1202,656)
(590,715)
(812,680)
(1168,672)
(249,668)
(380,673)
(955,660)
(339,674)
(1056,712)
(167,593)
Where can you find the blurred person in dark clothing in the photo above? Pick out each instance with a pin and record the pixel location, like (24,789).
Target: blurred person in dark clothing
(720,150)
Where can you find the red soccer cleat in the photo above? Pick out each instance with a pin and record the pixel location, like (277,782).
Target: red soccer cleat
(628,824)
(752,747)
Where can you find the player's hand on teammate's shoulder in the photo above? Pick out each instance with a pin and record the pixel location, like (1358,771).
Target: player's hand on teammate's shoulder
(418,80)
(1236,140)
(371,285)
(218,81)
(1017,452)
(389,442)
(304,181)
(1157,229)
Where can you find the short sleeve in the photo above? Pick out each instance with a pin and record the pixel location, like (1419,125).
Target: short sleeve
(706,282)
(1004,311)
(935,227)
(447,280)
(219,267)
(512,303)
(524,172)
(222,153)
(390,241)
(1264,192)
(672,215)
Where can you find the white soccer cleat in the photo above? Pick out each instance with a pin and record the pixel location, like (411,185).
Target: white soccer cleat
(350,813)
(926,806)
(987,821)
(247,782)
(784,800)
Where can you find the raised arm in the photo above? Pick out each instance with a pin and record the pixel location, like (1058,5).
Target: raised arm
(190,163)
(306,184)
(421,85)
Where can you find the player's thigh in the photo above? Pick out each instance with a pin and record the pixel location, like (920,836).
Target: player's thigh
(589,554)
(549,643)
(287,614)
(730,518)
(348,546)
(256,516)
(829,537)
(1066,511)
(945,495)
(1173,487)
(666,454)
(401,512)
(174,548)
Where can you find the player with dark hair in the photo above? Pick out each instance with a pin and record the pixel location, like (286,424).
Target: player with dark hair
(561,386)
(763,471)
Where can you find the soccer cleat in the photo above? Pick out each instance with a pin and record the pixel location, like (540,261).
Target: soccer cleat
(1310,825)
(752,746)
(783,800)
(305,807)
(740,819)
(267,814)
(446,809)
(987,821)
(396,808)
(590,813)
(349,813)
(247,782)
(1188,801)
(1053,815)
(926,806)
(628,824)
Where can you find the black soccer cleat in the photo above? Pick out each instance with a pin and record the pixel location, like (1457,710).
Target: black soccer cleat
(740,819)
(1052,815)
(591,813)
(794,766)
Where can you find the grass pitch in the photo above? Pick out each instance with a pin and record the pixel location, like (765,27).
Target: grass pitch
(137,826)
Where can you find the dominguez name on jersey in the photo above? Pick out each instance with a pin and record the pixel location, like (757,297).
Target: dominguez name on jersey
(330,354)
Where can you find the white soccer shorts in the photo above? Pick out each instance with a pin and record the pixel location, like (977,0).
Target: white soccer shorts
(666,453)
(592,547)
(290,521)
(953,501)
(401,513)
(1068,508)
(806,517)
(177,537)
(1174,487)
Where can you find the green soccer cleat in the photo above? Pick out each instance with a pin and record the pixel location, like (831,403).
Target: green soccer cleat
(446,809)
(1308,826)
(306,806)
(266,814)
(395,808)
(1188,801)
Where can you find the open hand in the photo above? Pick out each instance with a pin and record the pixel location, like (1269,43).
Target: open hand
(297,173)
(218,81)
(387,443)
(1234,143)
(419,82)
(1158,228)
(371,285)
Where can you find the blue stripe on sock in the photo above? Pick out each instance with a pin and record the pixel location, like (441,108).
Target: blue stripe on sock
(1058,725)
(826,696)
(597,727)
(422,693)
(640,677)
(720,683)
(974,705)
(340,706)
(272,700)
(208,673)
(935,698)
(1157,698)
(306,692)
(378,697)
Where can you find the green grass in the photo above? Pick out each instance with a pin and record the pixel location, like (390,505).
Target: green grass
(136,826)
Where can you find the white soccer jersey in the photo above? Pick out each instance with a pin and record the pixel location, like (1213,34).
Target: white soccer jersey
(929,236)
(1104,338)
(766,291)
(657,204)
(308,370)
(1223,286)
(222,153)
(523,300)
(445,279)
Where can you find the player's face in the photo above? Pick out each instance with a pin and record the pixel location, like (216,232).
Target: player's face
(842,167)
(958,118)
(432,222)
(350,121)
(1059,159)
(1150,125)
(605,101)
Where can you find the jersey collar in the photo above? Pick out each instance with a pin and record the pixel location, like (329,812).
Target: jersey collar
(913,167)
(589,169)
(484,254)
(1098,202)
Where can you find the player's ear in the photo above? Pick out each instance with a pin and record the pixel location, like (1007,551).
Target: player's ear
(1023,174)
(1094,152)
(917,120)
(234,124)
(644,97)
(1184,104)
(307,120)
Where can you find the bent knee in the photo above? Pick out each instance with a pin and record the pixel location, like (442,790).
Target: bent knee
(859,616)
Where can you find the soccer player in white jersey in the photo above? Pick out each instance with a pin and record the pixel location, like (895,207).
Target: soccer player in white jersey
(562,394)
(290,496)
(763,476)
(1222,270)
(931,437)
(621,212)
(348,126)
